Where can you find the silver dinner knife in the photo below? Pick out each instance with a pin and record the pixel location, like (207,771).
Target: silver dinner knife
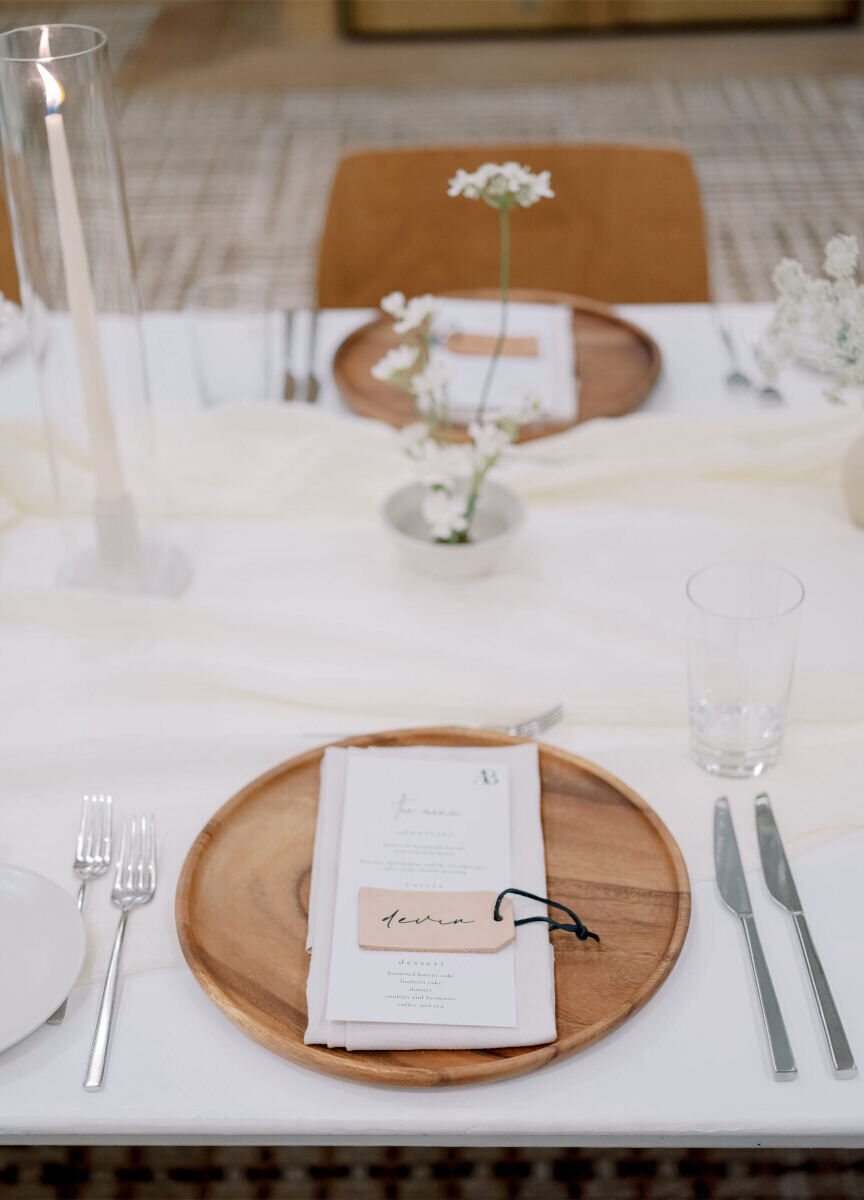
(782,887)
(733,890)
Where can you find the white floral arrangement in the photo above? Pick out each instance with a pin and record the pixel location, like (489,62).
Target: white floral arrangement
(825,314)
(454,474)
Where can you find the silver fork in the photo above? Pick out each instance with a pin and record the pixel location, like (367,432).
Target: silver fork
(134,885)
(534,726)
(92,857)
(530,728)
(765,390)
(735,377)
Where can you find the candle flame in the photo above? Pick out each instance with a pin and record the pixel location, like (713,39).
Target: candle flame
(54,94)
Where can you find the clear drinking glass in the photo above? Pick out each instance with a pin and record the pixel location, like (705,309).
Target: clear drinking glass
(230,320)
(744,619)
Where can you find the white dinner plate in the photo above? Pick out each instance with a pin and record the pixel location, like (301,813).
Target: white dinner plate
(41,950)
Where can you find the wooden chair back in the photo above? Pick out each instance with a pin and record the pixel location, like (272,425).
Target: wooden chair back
(626,225)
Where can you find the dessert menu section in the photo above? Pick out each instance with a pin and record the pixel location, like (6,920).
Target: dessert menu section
(426,826)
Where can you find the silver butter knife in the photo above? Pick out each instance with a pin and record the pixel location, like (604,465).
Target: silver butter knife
(733,889)
(781,885)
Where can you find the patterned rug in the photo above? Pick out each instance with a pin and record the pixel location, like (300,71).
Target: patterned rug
(395,1173)
(239,182)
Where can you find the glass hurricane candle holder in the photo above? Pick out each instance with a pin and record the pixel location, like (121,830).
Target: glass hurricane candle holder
(74,254)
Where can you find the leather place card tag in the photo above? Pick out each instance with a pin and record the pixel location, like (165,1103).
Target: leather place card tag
(446,922)
(484,343)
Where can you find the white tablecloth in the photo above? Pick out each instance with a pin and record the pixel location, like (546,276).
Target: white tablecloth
(300,619)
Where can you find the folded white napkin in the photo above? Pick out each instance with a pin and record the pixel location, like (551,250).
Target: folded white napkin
(549,375)
(533,957)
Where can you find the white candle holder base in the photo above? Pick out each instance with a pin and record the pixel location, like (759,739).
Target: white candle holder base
(123,562)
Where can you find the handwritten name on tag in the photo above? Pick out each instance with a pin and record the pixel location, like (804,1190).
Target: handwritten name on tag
(443,921)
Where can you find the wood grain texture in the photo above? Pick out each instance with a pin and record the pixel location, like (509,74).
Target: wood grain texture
(626,225)
(241,909)
(617,364)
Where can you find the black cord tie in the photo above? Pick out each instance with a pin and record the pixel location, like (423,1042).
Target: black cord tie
(577,927)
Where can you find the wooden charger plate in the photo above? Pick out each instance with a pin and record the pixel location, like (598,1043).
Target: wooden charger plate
(616,361)
(242,899)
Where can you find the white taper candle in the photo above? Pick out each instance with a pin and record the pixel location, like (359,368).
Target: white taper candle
(107,468)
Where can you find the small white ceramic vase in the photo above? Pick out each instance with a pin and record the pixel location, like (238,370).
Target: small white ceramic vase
(853,480)
(499,514)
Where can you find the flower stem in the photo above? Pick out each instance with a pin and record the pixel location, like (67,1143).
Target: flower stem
(504,275)
(477,482)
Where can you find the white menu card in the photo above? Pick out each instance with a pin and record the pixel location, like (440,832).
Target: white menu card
(426,826)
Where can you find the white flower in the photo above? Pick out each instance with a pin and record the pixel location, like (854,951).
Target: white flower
(436,465)
(463,184)
(394,303)
(502,185)
(444,513)
(841,256)
(790,278)
(431,381)
(395,362)
(445,466)
(414,438)
(827,314)
(415,312)
(489,439)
